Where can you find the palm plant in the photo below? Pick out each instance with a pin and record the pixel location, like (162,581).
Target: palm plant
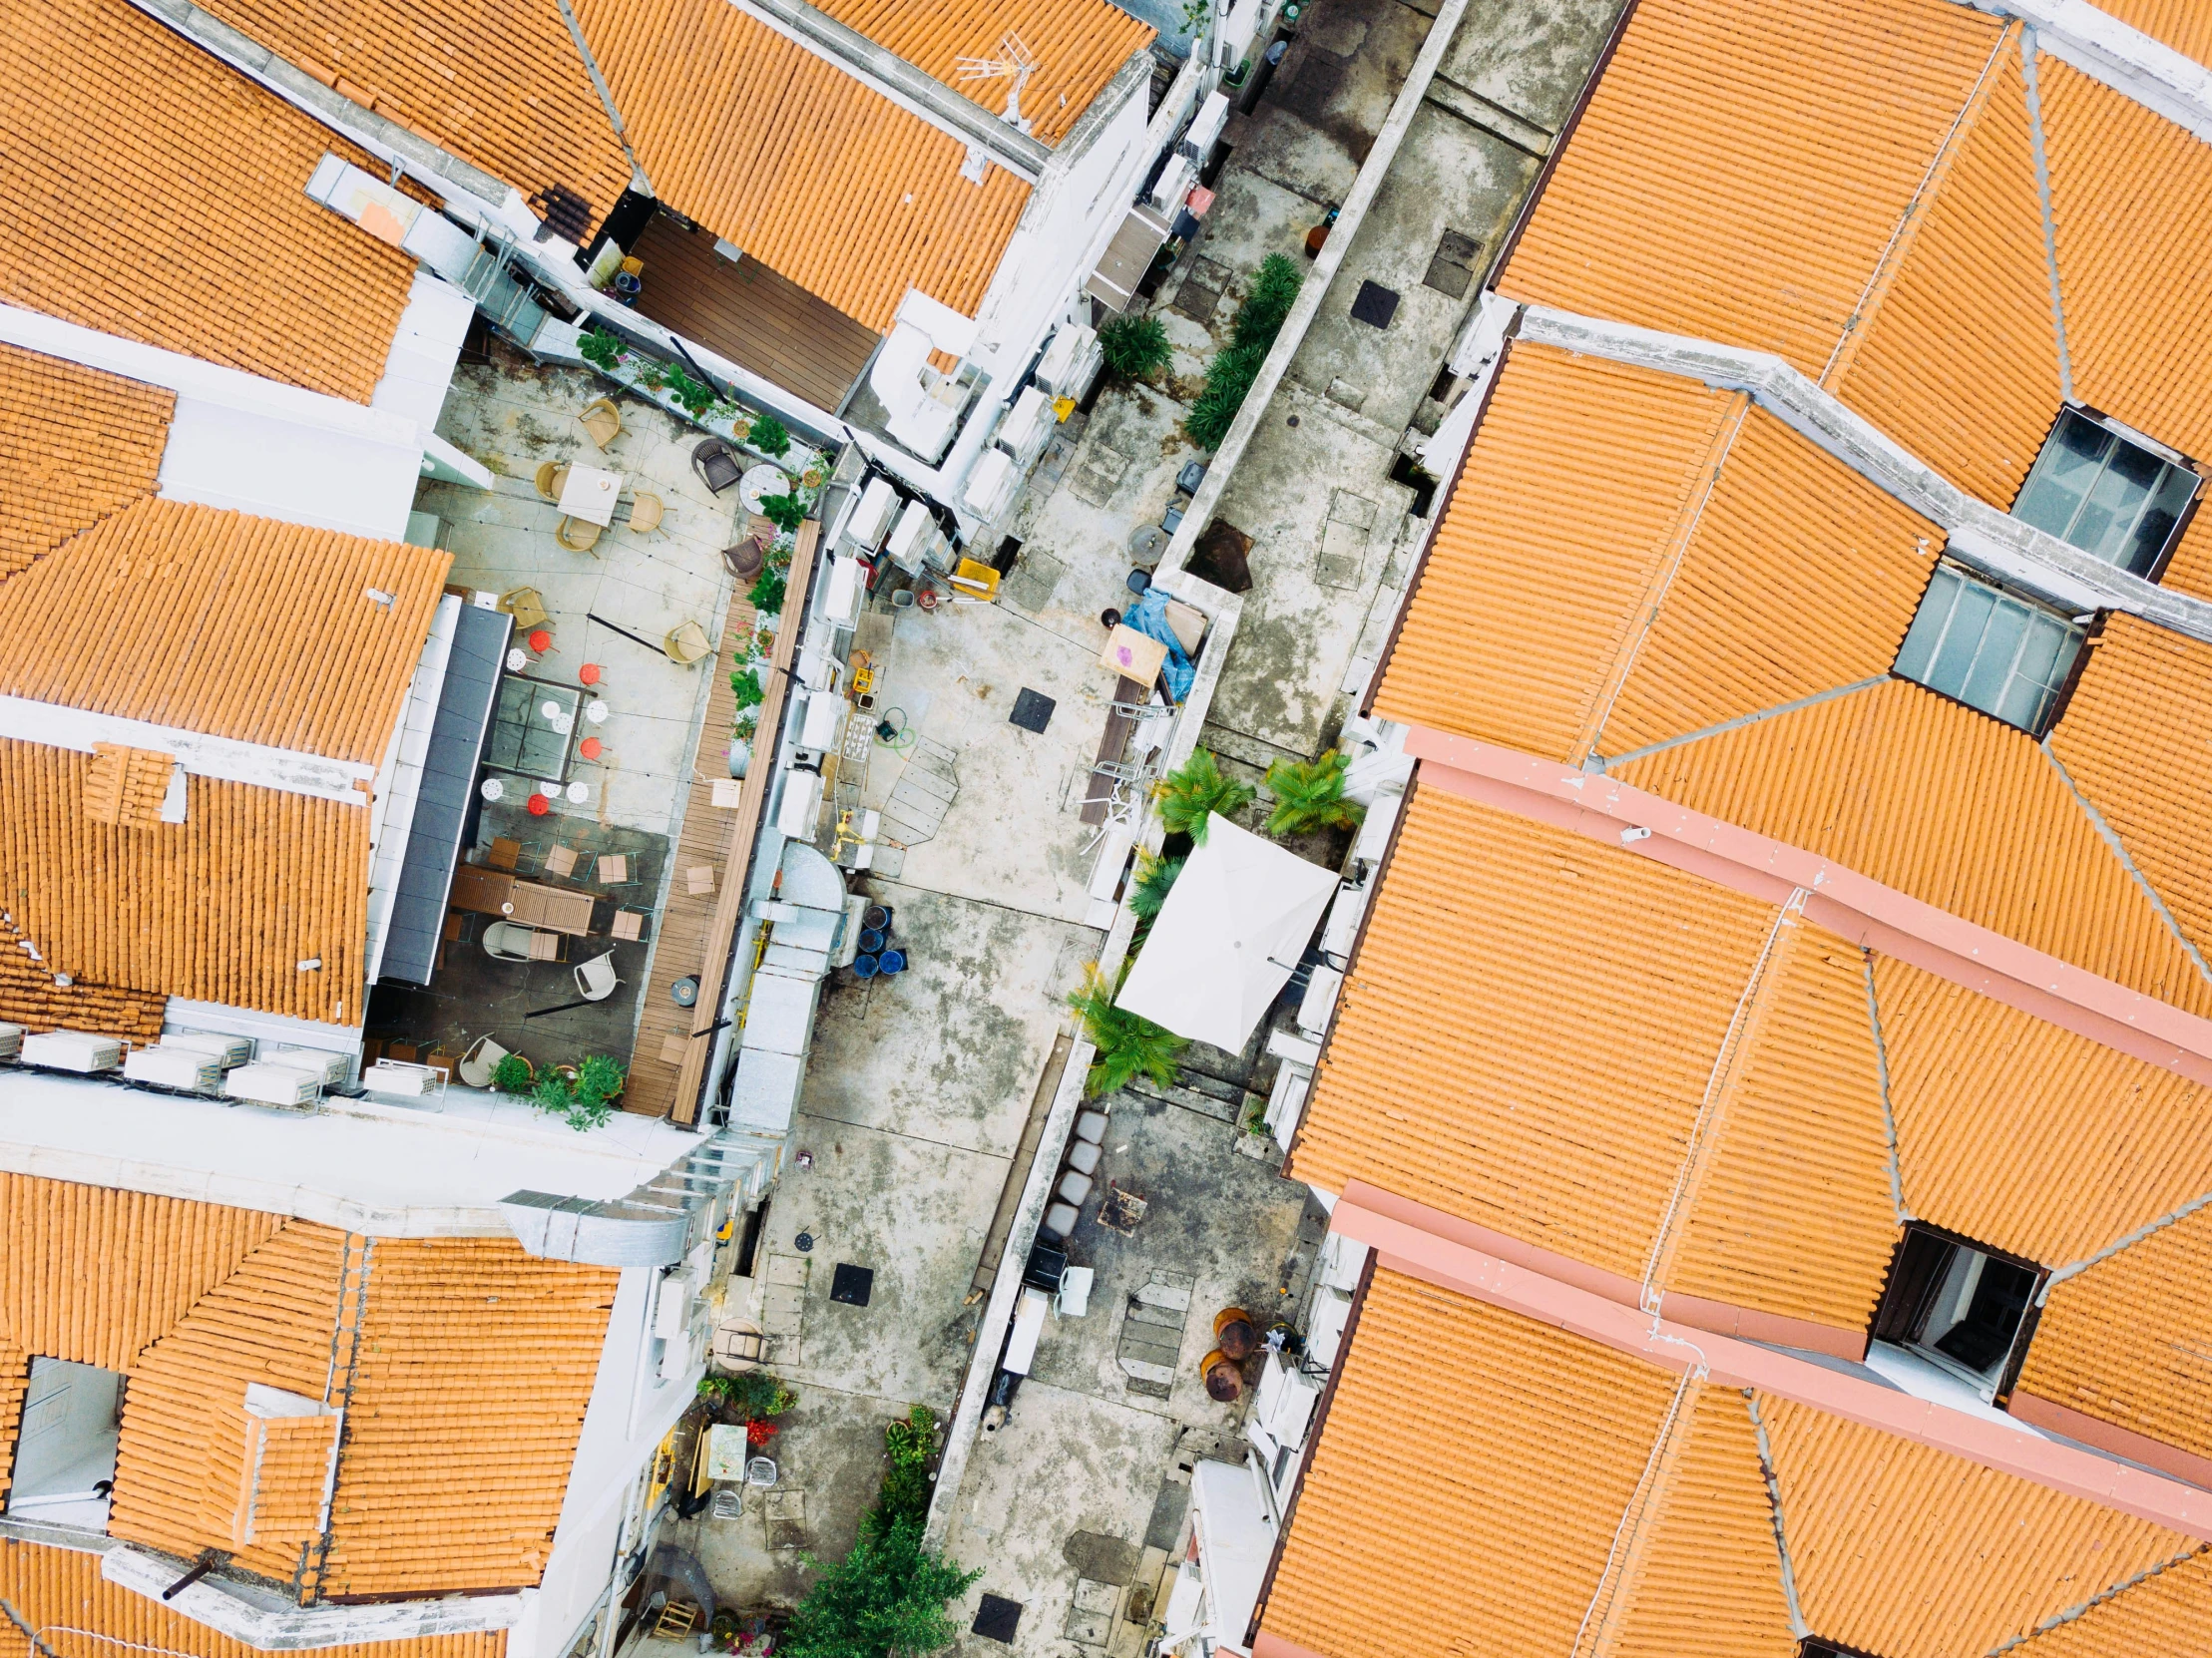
(1192,794)
(1151,889)
(1134,346)
(1126,1045)
(1309,795)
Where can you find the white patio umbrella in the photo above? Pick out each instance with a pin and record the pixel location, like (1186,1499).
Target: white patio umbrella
(1229,935)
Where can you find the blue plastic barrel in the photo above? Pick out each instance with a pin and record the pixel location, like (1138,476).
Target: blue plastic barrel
(892,960)
(871,940)
(864,967)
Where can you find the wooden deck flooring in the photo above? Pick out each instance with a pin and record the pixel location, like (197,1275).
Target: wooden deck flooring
(695,931)
(752,315)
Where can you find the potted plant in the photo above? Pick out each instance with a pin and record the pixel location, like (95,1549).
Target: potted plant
(1127,1046)
(1309,795)
(769,436)
(1194,791)
(513,1074)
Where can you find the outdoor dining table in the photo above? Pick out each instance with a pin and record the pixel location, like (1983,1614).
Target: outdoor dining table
(590,493)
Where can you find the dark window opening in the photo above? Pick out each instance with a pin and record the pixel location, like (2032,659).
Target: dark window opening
(2110,491)
(1814,1647)
(1957,1305)
(1990,648)
(1409,471)
(748,1242)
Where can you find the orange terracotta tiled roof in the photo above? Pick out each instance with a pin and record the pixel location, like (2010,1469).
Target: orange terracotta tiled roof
(793,161)
(153,192)
(1486,1484)
(84,442)
(61,1593)
(502,86)
(1079,46)
(1743,164)
(463,1402)
(30,997)
(224,624)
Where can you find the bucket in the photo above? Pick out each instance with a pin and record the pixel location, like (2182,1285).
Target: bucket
(890,962)
(871,940)
(903,599)
(876,918)
(863,967)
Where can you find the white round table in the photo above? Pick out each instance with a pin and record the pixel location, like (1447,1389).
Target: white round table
(759,483)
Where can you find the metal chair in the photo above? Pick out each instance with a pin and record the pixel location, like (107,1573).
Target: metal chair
(595,979)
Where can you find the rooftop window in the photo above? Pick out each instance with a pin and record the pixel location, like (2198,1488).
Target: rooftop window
(1991,649)
(2111,491)
(65,1446)
(1957,1305)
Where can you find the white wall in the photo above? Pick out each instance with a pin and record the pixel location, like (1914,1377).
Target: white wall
(66,1440)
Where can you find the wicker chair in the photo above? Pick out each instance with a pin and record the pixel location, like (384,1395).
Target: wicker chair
(576,535)
(716,467)
(552,477)
(603,422)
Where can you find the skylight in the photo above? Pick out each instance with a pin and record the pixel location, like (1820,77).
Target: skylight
(1955,1305)
(2006,655)
(2110,491)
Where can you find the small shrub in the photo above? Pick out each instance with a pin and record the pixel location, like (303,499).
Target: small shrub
(911,1441)
(512,1075)
(745,686)
(1309,795)
(887,1597)
(598,1079)
(769,436)
(552,1092)
(581,1104)
(1128,1047)
(1192,794)
(767,592)
(786,512)
(599,350)
(1267,304)
(1230,378)
(1134,346)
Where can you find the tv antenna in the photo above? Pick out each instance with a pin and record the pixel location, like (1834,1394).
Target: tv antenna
(1016,62)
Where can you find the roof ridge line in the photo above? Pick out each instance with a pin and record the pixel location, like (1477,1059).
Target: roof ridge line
(1718,450)
(2112,839)
(1882,1068)
(1736,722)
(2110,1592)
(2032,84)
(1798,1627)
(2125,1241)
(1750,1010)
(1991,541)
(1907,229)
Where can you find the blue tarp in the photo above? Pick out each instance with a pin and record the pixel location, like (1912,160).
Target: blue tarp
(1149,615)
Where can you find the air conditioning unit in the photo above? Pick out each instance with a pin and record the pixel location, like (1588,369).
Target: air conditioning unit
(990,484)
(1071,363)
(331,1067)
(825,711)
(11,1039)
(1206,126)
(917,544)
(1027,427)
(840,593)
(77,1050)
(264,1084)
(871,515)
(1175,179)
(802,799)
(227,1050)
(400,1081)
(167,1066)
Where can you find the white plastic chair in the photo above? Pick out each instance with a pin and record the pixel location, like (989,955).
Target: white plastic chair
(595,979)
(477,1063)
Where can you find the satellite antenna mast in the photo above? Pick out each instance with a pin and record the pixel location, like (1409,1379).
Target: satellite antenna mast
(1016,62)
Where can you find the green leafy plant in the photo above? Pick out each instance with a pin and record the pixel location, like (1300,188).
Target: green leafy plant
(1192,794)
(767,592)
(885,1600)
(770,435)
(1152,885)
(1309,795)
(695,395)
(753,1395)
(512,1075)
(1267,302)
(1127,1047)
(598,1079)
(654,376)
(600,350)
(745,686)
(1134,346)
(786,512)
(1229,377)
(1196,14)
(912,1440)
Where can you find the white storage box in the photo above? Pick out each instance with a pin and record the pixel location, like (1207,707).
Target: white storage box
(329,1067)
(11,1039)
(227,1050)
(872,517)
(77,1050)
(166,1067)
(267,1085)
(1028,425)
(991,485)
